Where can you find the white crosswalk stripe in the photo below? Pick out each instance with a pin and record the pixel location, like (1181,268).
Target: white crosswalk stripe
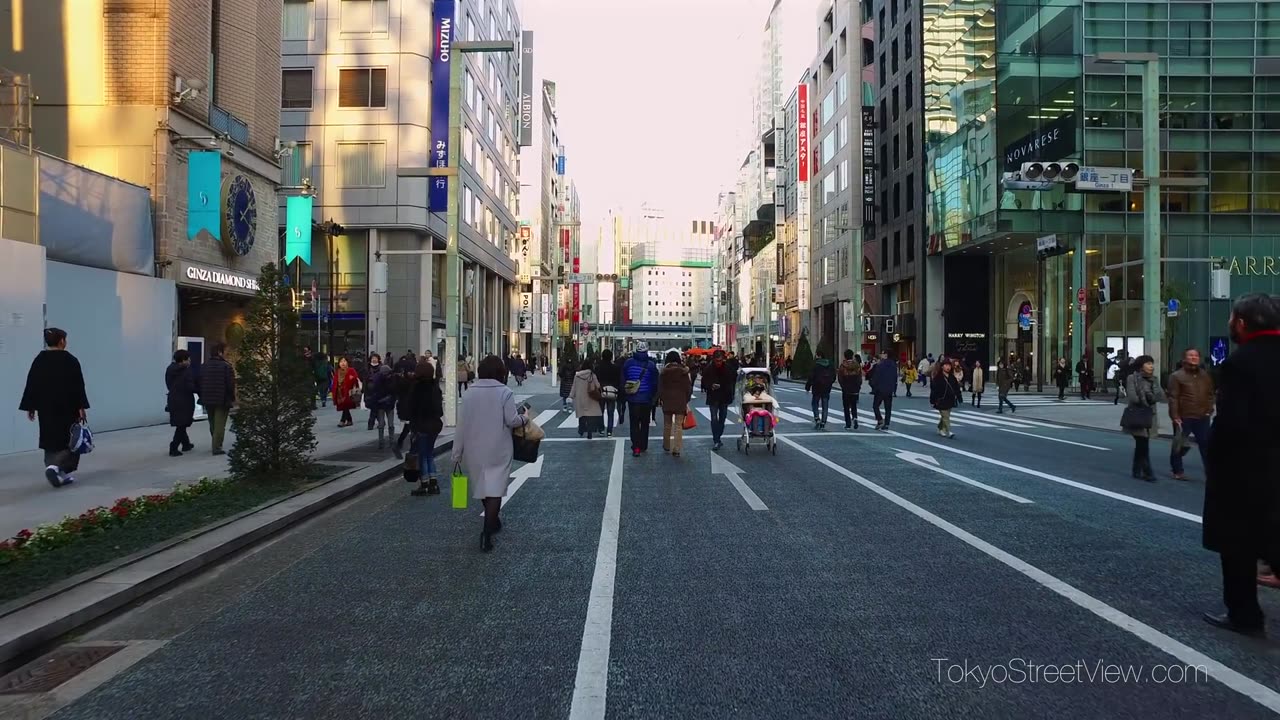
(545,416)
(706,413)
(1012,421)
(930,416)
(570,423)
(867,416)
(988,420)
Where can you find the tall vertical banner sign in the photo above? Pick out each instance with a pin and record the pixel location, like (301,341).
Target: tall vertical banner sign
(441,61)
(525,136)
(802,196)
(297,231)
(204,193)
(577,296)
(868,168)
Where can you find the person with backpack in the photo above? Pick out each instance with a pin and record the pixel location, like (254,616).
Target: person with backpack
(849,374)
(640,387)
(821,378)
(55,396)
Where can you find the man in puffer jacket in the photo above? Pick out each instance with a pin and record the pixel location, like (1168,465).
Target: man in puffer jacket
(884,383)
(821,379)
(850,376)
(640,387)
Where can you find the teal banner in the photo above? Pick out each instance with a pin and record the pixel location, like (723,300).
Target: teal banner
(297,240)
(204,191)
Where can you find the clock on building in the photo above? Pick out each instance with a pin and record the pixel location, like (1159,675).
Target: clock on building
(239,215)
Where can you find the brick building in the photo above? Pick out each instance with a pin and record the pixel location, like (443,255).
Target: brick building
(130,88)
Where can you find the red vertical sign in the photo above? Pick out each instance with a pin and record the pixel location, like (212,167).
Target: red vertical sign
(565,244)
(802,133)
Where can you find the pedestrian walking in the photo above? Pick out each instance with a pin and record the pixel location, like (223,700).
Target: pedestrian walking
(374,367)
(1242,492)
(640,386)
(619,362)
(1062,376)
(1084,372)
(908,376)
(217,394)
(588,400)
(519,369)
(718,381)
(924,369)
(1139,418)
(610,376)
(821,379)
(404,384)
(1123,368)
(945,395)
(317,368)
(55,396)
(381,399)
(345,391)
(406,365)
(464,375)
(1004,380)
(884,383)
(849,374)
(567,368)
(1190,409)
(482,444)
(423,413)
(977,383)
(675,388)
(180,402)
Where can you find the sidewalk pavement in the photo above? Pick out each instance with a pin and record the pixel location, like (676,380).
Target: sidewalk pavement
(136,462)
(1095,416)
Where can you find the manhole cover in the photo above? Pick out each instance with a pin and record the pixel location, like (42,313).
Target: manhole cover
(54,669)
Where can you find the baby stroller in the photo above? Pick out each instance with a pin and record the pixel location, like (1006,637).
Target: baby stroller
(758,418)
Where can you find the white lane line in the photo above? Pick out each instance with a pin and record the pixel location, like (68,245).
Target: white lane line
(591,685)
(1054,478)
(1188,655)
(1059,440)
(929,463)
(545,416)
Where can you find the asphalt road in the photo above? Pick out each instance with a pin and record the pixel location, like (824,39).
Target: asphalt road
(1014,571)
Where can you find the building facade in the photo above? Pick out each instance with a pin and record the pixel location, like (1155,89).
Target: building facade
(357,101)
(134,91)
(542,191)
(1008,83)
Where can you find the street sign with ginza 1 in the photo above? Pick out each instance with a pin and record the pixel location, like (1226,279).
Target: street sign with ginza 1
(581,278)
(1105,178)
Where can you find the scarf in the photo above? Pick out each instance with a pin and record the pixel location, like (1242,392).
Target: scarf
(1261,333)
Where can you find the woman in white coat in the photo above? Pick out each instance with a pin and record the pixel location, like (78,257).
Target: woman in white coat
(483,443)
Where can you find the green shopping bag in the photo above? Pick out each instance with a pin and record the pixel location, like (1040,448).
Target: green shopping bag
(458,485)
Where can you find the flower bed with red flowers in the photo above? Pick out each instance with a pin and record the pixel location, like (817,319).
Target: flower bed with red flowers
(36,558)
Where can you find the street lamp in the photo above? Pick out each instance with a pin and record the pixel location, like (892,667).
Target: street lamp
(1151,305)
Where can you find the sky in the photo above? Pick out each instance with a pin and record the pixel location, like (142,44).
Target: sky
(653,96)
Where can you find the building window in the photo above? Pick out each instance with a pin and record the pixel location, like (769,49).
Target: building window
(911,243)
(906,40)
(880,30)
(362,88)
(884,114)
(884,253)
(296,166)
(884,160)
(911,140)
(897,200)
(295,89)
(911,91)
(843,131)
(897,248)
(295,23)
(881,69)
(895,103)
(911,192)
(842,89)
(362,164)
(896,152)
(868,52)
(364,17)
(884,207)
(894,55)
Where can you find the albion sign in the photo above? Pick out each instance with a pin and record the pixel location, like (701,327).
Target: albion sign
(218,277)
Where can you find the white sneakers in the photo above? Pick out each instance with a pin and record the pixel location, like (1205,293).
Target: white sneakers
(56,477)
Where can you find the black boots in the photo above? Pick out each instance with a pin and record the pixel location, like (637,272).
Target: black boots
(173,450)
(427,486)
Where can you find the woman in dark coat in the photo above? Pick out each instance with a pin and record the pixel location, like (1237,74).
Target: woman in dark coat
(567,370)
(944,394)
(181,383)
(610,377)
(425,414)
(55,394)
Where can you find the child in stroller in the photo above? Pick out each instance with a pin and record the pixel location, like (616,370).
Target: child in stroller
(758,407)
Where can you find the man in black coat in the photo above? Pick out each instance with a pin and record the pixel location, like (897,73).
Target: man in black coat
(55,394)
(1242,493)
(718,380)
(217,393)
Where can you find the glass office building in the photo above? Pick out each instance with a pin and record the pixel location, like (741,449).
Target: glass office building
(1010,81)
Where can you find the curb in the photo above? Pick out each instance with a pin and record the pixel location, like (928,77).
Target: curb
(44,616)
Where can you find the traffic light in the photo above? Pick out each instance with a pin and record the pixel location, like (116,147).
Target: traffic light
(1050,172)
(1104,290)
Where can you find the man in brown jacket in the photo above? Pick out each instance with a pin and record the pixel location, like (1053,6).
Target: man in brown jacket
(1190,408)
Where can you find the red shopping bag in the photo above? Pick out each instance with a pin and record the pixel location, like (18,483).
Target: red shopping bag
(690,421)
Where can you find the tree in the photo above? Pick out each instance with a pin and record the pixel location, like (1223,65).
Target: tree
(274,427)
(827,348)
(802,361)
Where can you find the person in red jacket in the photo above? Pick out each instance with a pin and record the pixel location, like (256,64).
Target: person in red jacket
(346,384)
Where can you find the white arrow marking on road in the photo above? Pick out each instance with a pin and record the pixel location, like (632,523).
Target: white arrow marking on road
(720,466)
(1067,442)
(929,463)
(1188,655)
(1054,478)
(519,475)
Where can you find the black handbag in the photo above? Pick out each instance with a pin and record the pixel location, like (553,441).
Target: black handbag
(1137,417)
(522,448)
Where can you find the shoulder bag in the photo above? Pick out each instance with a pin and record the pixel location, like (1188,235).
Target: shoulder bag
(593,389)
(633,386)
(1137,417)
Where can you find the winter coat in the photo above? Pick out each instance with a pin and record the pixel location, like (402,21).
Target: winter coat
(1242,488)
(518,367)
(850,376)
(424,406)
(217,383)
(1004,380)
(566,378)
(181,400)
(821,378)
(404,392)
(609,374)
(1190,394)
(483,442)
(945,392)
(343,385)
(583,404)
(675,387)
(640,368)
(1062,375)
(883,378)
(723,376)
(55,392)
(319,369)
(1084,373)
(1144,392)
(464,371)
(979,381)
(381,392)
